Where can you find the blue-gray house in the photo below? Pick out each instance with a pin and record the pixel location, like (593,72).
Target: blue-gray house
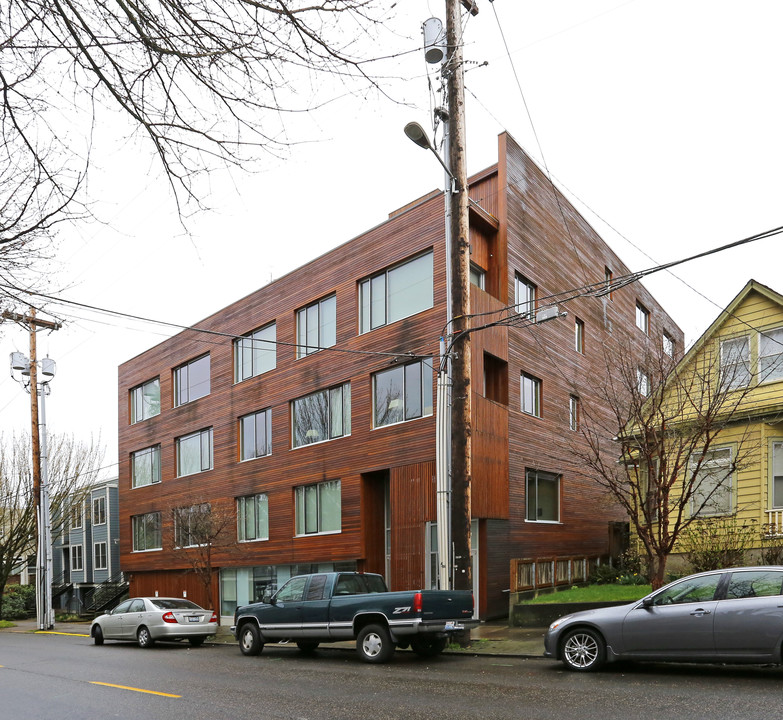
(86,551)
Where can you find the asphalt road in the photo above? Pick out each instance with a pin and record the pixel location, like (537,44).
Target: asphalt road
(60,677)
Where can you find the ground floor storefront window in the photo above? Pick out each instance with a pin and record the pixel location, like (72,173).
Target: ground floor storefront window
(243,585)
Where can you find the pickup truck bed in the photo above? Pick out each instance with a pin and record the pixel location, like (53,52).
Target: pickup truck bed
(333,607)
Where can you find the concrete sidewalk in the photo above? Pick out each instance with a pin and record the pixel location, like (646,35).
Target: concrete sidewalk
(489,638)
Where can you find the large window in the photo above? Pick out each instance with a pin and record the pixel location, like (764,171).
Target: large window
(255,353)
(735,362)
(77,557)
(100,561)
(642,318)
(322,415)
(193,525)
(145,466)
(76,515)
(99,511)
(255,435)
(402,393)
(316,326)
(777,475)
(318,508)
(531,395)
(393,294)
(542,496)
(146,532)
(525,297)
(145,401)
(194,453)
(771,355)
(712,484)
(191,381)
(253,518)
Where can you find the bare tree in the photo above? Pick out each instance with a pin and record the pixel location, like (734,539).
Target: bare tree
(655,452)
(201,528)
(202,83)
(72,468)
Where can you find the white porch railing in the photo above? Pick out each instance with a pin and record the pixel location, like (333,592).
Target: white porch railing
(775,523)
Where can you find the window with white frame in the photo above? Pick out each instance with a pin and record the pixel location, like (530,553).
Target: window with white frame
(777,475)
(191,381)
(316,326)
(255,435)
(146,532)
(478,276)
(192,525)
(253,517)
(573,412)
(402,393)
(642,318)
(735,362)
(525,296)
(77,557)
(99,511)
(145,401)
(530,391)
(668,344)
(145,466)
(712,475)
(194,452)
(255,353)
(579,336)
(318,508)
(396,293)
(642,382)
(100,558)
(542,496)
(771,355)
(322,415)
(76,515)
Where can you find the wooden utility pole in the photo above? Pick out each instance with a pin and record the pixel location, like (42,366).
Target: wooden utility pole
(461,433)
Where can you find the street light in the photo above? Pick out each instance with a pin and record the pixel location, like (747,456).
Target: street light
(43,574)
(417,135)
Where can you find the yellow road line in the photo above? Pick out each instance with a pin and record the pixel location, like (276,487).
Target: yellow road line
(125,687)
(54,632)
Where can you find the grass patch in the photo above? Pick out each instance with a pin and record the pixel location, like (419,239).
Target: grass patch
(592,593)
(6,624)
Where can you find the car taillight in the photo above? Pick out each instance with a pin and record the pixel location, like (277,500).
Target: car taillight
(417,602)
(213,618)
(169,617)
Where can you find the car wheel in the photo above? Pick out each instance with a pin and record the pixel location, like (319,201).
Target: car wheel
(428,647)
(144,638)
(250,640)
(97,635)
(374,644)
(307,648)
(196,641)
(584,650)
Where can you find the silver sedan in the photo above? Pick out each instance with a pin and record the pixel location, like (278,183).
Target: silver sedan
(148,619)
(730,616)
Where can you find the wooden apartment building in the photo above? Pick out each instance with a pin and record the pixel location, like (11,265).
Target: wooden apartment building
(308,406)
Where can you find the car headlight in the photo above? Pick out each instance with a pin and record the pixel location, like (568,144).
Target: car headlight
(559,622)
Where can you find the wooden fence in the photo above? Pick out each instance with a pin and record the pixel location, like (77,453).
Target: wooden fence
(538,573)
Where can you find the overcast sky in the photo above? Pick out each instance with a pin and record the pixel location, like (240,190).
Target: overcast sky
(661,120)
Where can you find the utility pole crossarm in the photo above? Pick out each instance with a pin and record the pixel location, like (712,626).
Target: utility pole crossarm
(470,6)
(31,320)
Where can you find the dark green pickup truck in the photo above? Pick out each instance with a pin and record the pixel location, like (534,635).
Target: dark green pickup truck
(334,607)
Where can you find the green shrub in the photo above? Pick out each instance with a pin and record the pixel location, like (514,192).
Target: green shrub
(771,550)
(716,543)
(18,602)
(626,571)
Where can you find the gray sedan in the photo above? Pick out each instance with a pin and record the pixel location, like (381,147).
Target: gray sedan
(148,619)
(731,616)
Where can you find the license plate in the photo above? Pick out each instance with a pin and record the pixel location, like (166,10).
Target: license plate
(449,626)
(194,618)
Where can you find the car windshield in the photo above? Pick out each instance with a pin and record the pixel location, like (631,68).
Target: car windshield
(174,604)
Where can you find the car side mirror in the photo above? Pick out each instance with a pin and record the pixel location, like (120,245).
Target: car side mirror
(648,602)
(267,598)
